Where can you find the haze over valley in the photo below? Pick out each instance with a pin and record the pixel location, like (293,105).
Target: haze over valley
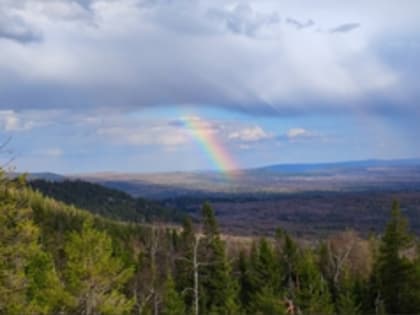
(307,199)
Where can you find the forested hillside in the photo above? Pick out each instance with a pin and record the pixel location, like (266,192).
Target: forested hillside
(57,259)
(107,202)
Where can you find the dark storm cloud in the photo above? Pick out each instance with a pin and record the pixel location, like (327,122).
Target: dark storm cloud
(137,54)
(19,36)
(345,28)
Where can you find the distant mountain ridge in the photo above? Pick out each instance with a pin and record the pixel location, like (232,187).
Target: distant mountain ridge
(313,167)
(281,167)
(363,175)
(282,178)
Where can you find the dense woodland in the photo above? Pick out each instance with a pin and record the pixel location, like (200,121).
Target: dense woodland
(107,202)
(58,259)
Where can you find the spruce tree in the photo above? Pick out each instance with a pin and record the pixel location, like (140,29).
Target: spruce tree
(268,302)
(173,303)
(219,290)
(246,288)
(398,279)
(305,285)
(184,273)
(268,266)
(347,303)
(312,292)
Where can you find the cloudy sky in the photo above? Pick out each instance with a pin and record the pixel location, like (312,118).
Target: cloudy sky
(96,85)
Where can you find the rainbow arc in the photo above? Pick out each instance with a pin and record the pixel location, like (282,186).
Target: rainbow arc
(211,145)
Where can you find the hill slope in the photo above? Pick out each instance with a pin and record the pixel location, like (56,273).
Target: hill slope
(105,201)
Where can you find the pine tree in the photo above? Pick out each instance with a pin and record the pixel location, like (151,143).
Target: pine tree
(173,303)
(267,302)
(184,273)
(305,285)
(289,260)
(268,268)
(246,288)
(219,291)
(312,293)
(347,300)
(94,276)
(399,283)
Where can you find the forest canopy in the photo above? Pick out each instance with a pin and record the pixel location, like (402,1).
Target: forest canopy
(58,259)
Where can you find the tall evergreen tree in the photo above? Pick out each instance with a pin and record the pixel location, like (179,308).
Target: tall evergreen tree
(268,302)
(399,283)
(260,278)
(246,288)
(312,292)
(289,261)
(305,285)
(218,287)
(347,303)
(184,273)
(173,303)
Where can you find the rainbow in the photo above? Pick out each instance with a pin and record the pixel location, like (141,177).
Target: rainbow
(202,132)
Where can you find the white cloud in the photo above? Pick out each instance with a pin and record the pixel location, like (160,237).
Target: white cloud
(144,133)
(26,120)
(295,134)
(10,121)
(181,131)
(251,134)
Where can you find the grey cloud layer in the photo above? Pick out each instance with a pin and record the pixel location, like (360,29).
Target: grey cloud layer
(242,19)
(13,27)
(298,24)
(129,54)
(345,28)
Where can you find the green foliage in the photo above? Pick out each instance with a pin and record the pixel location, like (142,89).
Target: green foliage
(183,264)
(28,281)
(210,226)
(268,303)
(398,277)
(17,243)
(107,202)
(347,303)
(311,289)
(219,288)
(173,303)
(45,291)
(246,287)
(58,259)
(261,275)
(94,276)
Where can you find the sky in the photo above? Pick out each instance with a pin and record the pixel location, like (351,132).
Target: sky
(175,85)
